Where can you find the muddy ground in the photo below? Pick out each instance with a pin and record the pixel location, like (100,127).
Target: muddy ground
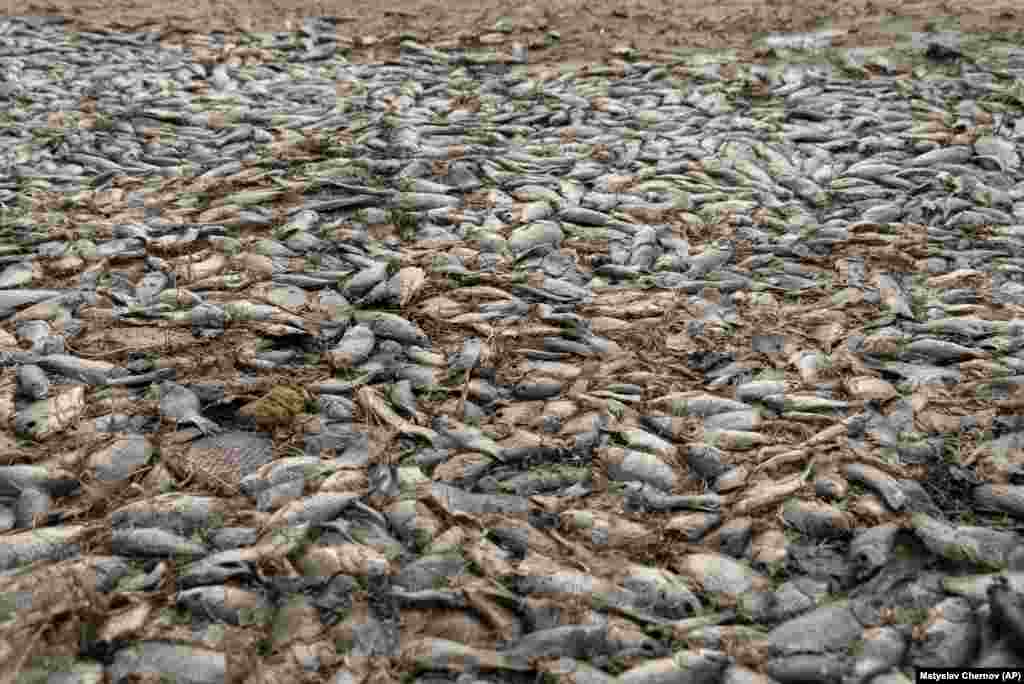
(553,30)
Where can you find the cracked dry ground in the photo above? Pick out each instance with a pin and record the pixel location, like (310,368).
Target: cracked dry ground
(746,447)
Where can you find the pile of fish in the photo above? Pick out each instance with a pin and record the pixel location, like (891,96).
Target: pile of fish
(466,369)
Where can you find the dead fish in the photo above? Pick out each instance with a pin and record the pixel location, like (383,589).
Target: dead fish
(1007,608)
(181,404)
(32,382)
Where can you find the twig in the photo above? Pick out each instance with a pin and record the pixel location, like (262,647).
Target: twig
(26,650)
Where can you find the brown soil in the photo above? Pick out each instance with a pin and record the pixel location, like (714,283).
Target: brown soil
(587,31)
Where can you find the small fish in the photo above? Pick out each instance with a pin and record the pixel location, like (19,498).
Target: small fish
(32,382)
(181,404)
(1007,614)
